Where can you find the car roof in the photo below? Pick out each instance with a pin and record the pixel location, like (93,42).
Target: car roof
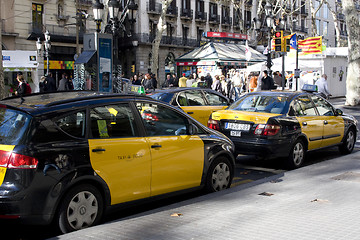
(179,89)
(39,103)
(290,94)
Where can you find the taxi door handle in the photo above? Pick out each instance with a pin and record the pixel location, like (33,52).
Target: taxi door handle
(325,122)
(156,146)
(190,112)
(98,150)
(304,123)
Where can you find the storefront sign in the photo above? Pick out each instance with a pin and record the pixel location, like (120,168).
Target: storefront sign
(200,63)
(233,36)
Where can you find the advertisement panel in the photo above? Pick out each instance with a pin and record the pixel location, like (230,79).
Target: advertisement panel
(105,64)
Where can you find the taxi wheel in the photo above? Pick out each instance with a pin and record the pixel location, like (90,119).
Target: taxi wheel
(349,143)
(219,175)
(82,207)
(297,155)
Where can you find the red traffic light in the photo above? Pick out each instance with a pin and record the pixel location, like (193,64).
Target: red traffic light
(278,34)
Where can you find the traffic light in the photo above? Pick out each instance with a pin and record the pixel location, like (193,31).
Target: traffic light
(278,41)
(286,45)
(132,68)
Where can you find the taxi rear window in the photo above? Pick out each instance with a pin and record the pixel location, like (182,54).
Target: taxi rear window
(260,103)
(13,125)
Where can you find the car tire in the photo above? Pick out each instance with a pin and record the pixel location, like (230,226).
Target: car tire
(297,155)
(82,207)
(349,142)
(220,175)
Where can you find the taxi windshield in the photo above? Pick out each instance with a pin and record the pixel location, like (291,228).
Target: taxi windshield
(13,125)
(260,103)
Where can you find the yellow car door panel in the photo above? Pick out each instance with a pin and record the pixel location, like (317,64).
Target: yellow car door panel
(313,128)
(201,113)
(333,130)
(124,164)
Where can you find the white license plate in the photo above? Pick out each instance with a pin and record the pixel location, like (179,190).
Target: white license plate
(237,126)
(235,133)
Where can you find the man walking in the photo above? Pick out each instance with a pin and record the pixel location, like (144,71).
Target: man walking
(64,83)
(322,86)
(182,81)
(50,84)
(267,82)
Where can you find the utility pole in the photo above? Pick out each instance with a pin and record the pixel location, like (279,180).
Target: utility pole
(78,19)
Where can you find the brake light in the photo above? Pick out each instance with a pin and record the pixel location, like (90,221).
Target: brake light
(267,129)
(14,160)
(214,124)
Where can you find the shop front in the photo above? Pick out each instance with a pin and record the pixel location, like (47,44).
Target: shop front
(20,61)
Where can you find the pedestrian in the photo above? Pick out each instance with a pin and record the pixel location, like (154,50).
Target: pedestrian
(216,86)
(169,81)
(224,86)
(21,89)
(253,82)
(63,83)
(148,83)
(175,80)
(208,80)
(238,84)
(50,84)
(136,80)
(190,80)
(154,80)
(277,79)
(42,84)
(322,86)
(182,80)
(267,83)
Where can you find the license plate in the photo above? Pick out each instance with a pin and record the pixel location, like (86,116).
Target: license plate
(237,126)
(235,133)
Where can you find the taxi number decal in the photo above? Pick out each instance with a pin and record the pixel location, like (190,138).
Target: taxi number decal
(235,133)
(237,126)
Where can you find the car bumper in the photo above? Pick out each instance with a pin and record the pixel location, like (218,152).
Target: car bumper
(269,148)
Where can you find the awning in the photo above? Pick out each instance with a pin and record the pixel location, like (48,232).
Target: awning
(85,57)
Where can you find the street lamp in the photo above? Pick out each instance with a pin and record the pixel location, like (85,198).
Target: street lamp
(98,9)
(47,44)
(133,7)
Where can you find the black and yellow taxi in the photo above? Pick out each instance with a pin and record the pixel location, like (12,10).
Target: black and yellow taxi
(273,124)
(68,157)
(196,101)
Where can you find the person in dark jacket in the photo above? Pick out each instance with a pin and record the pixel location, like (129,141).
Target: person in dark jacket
(267,83)
(21,89)
(148,82)
(50,84)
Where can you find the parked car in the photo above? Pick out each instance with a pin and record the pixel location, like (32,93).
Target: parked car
(72,156)
(285,124)
(197,102)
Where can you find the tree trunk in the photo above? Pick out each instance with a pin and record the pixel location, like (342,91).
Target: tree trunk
(161,27)
(313,16)
(353,73)
(2,84)
(336,24)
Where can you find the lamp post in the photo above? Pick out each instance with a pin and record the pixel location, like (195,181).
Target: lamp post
(47,44)
(269,22)
(117,16)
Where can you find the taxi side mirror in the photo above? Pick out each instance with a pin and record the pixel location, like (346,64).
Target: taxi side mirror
(339,112)
(192,129)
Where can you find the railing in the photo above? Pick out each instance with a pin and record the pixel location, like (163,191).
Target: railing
(226,20)
(214,18)
(166,40)
(68,31)
(186,13)
(85,2)
(202,16)
(173,11)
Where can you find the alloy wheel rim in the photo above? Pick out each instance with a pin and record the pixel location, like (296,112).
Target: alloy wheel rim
(298,154)
(350,140)
(82,210)
(221,176)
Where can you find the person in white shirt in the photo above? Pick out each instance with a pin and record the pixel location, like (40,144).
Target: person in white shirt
(238,84)
(322,86)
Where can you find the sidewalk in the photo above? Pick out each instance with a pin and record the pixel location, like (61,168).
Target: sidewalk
(320,201)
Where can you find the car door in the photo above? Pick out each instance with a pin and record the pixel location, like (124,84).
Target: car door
(333,131)
(118,154)
(310,122)
(177,157)
(194,104)
(216,101)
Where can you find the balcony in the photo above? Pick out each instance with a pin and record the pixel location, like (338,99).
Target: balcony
(186,14)
(153,7)
(214,19)
(6,29)
(165,40)
(172,12)
(64,34)
(304,11)
(340,16)
(226,20)
(200,16)
(304,29)
(85,3)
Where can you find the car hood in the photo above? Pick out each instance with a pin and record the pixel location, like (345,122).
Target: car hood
(257,117)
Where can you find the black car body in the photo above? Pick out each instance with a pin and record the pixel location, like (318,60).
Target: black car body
(285,124)
(62,151)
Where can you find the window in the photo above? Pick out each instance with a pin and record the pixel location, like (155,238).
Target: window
(326,11)
(215,100)
(13,126)
(303,106)
(185,33)
(191,98)
(37,16)
(161,121)
(112,121)
(269,104)
(323,107)
(317,4)
(318,30)
(73,124)
(325,29)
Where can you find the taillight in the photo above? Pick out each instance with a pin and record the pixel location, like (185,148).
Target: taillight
(267,129)
(14,160)
(214,124)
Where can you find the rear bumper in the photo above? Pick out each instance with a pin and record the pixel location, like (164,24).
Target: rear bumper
(268,148)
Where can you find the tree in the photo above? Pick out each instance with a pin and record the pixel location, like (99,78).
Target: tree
(353,73)
(160,28)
